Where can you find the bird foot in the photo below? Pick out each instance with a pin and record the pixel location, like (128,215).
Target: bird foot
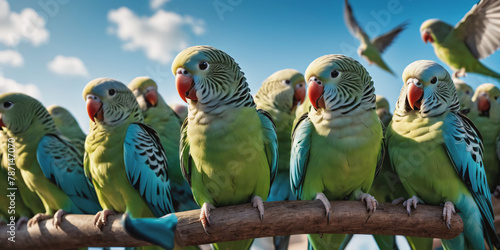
(37,218)
(413,201)
(101,218)
(371,202)
(398,200)
(460,73)
(326,203)
(205,215)
(259,204)
(58,218)
(21,221)
(448,210)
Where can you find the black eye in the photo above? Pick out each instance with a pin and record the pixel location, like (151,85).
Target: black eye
(7,104)
(203,65)
(111,92)
(334,74)
(287,82)
(434,80)
(467,92)
(496,98)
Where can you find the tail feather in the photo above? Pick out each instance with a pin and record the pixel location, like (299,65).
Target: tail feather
(159,231)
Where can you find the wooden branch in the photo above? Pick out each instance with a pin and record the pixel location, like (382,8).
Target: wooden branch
(242,222)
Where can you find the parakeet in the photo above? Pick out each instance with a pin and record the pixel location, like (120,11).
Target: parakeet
(67,124)
(124,158)
(24,196)
(279,95)
(229,150)
(42,151)
(165,121)
(464,92)
(485,113)
(371,50)
(387,187)
(338,147)
(437,153)
(475,37)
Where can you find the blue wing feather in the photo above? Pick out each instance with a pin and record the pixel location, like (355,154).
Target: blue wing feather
(464,147)
(62,164)
(270,142)
(301,144)
(146,167)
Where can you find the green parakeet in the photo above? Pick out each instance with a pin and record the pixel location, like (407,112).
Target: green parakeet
(485,113)
(371,50)
(475,37)
(42,151)
(165,121)
(67,124)
(229,150)
(437,153)
(124,158)
(464,92)
(9,179)
(387,187)
(338,147)
(279,95)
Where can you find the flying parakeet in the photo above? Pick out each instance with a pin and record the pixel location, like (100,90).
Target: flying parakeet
(124,158)
(229,150)
(485,113)
(437,153)
(475,37)
(41,150)
(371,50)
(67,124)
(279,95)
(338,147)
(165,121)
(464,92)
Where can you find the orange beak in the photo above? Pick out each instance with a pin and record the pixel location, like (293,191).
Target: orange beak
(315,94)
(415,94)
(483,104)
(300,94)
(185,86)
(151,97)
(426,36)
(94,109)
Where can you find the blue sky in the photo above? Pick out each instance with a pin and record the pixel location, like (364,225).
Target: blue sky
(77,41)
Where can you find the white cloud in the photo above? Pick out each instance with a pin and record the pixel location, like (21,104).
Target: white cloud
(10,85)
(11,58)
(161,36)
(156,4)
(26,25)
(71,66)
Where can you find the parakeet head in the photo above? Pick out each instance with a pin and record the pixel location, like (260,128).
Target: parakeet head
(110,102)
(339,83)
(209,78)
(19,112)
(464,92)
(62,117)
(434,30)
(145,91)
(486,102)
(427,89)
(284,90)
(383,109)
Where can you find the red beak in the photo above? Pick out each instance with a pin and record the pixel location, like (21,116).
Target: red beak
(1,122)
(315,94)
(152,97)
(94,109)
(185,87)
(415,94)
(300,94)
(483,104)
(426,36)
